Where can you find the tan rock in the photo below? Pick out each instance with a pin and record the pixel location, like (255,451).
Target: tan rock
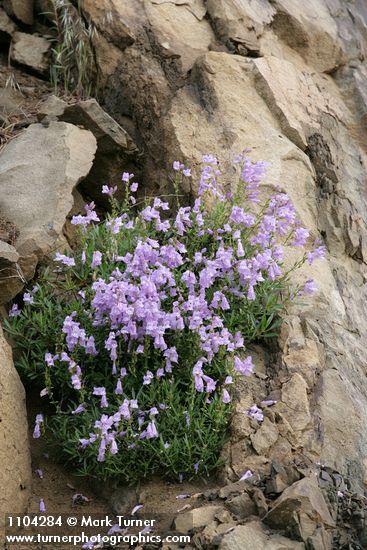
(241,424)
(9,270)
(116,150)
(242,506)
(199,517)
(167,21)
(240,22)
(340,424)
(297,97)
(228,94)
(214,530)
(21,9)
(8,253)
(264,437)
(307,361)
(7,26)
(15,472)
(119,23)
(308,28)
(302,507)
(254,536)
(31,50)
(295,403)
(11,102)
(243,459)
(38,172)
(52,108)
(291,334)
(233,489)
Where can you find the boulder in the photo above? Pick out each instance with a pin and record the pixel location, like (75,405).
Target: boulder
(15,472)
(31,50)
(300,510)
(298,98)
(241,506)
(21,9)
(52,108)
(253,536)
(8,253)
(193,519)
(7,26)
(39,170)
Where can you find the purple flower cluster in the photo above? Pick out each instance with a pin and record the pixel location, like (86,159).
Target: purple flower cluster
(91,216)
(164,287)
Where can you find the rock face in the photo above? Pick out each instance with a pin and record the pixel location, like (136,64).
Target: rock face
(288,80)
(187,77)
(38,171)
(15,473)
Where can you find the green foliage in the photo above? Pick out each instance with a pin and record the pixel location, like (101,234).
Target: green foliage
(132,294)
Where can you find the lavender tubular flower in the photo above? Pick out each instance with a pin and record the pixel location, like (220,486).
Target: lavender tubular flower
(97,259)
(101,392)
(245,366)
(80,409)
(316,254)
(226,396)
(66,260)
(14,311)
(28,298)
(246,475)
(300,236)
(109,190)
(152,430)
(37,427)
(309,287)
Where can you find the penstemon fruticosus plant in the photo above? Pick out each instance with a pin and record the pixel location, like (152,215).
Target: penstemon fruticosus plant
(136,339)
